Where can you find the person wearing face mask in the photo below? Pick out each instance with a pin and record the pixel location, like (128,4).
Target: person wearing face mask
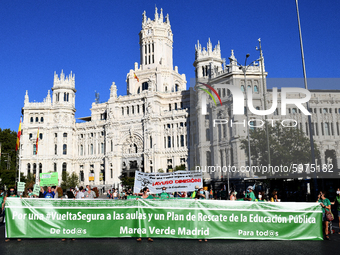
(337,201)
(193,194)
(200,194)
(249,196)
(261,197)
(164,195)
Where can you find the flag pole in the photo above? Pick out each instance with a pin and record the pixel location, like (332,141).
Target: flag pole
(36,153)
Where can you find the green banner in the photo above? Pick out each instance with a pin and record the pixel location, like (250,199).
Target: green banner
(49,179)
(210,219)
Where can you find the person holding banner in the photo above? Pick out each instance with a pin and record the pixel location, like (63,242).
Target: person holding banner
(193,194)
(337,202)
(11,193)
(200,194)
(326,205)
(164,195)
(249,196)
(145,196)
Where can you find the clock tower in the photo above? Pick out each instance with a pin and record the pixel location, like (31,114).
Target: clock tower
(156,72)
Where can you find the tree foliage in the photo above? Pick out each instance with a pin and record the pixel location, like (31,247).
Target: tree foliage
(179,167)
(288,145)
(126,181)
(8,157)
(69,180)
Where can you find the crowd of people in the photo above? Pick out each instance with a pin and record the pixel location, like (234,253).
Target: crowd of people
(199,193)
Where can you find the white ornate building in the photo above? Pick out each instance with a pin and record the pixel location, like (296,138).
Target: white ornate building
(158,124)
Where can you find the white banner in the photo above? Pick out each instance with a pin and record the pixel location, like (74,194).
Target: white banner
(175,181)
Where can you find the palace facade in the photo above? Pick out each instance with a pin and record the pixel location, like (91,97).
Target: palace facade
(159,124)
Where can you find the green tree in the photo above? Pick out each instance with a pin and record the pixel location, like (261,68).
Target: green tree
(69,180)
(126,181)
(180,167)
(288,145)
(8,157)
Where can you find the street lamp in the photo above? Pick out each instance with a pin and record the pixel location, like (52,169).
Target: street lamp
(244,69)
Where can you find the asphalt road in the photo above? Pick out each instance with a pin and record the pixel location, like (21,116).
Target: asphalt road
(165,246)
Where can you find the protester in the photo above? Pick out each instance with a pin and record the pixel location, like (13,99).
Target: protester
(249,195)
(261,197)
(129,192)
(337,202)
(80,193)
(164,195)
(89,194)
(108,194)
(326,206)
(2,204)
(274,198)
(30,193)
(123,194)
(211,194)
(232,196)
(115,194)
(193,194)
(49,193)
(145,196)
(200,194)
(11,193)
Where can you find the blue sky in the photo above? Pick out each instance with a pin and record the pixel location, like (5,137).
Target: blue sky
(98,41)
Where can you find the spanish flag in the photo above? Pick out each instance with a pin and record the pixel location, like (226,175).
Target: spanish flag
(135,76)
(18,137)
(36,143)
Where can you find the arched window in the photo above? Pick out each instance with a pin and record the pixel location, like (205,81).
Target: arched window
(242,88)
(64,169)
(64,149)
(249,87)
(36,119)
(40,168)
(28,169)
(34,168)
(91,148)
(145,86)
(256,89)
(81,150)
(176,87)
(135,148)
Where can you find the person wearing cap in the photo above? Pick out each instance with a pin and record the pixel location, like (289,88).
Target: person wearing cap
(249,196)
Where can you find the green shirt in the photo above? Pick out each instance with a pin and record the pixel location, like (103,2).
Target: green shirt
(250,195)
(325,202)
(164,195)
(337,199)
(1,201)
